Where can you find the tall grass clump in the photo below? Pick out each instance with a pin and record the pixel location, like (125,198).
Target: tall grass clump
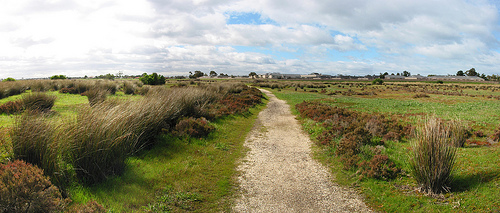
(11,88)
(433,157)
(38,101)
(458,133)
(35,140)
(103,136)
(96,95)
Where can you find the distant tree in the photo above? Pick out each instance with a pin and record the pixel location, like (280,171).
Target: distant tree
(55,77)
(460,73)
(196,74)
(107,76)
(9,79)
(252,74)
(213,74)
(471,72)
(85,77)
(483,76)
(397,73)
(378,81)
(153,79)
(406,73)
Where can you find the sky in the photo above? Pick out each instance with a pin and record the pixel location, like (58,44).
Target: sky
(41,38)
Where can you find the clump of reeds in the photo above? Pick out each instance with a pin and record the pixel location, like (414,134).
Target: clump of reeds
(433,158)
(38,101)
(96,95)
(35,141)
(458,133)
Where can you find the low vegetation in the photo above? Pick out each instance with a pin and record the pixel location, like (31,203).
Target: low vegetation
(369,133)
(95,143)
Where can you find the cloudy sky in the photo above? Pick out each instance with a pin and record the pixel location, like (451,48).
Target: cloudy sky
(40,38)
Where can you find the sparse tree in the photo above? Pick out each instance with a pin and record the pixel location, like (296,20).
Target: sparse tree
(471,72)
(252,74)
(406,73)
(213,74)
(460,73)
(196,74)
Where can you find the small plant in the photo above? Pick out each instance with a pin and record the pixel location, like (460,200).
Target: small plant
(421,95)
(23,188)
(11,107)
(433,158)
(194,127)
(379,167)
(90,207)
(39,102)
(458,133)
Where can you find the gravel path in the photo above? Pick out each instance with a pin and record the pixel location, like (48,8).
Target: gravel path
(278,173)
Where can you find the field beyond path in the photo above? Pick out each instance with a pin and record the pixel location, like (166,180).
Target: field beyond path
(278,173)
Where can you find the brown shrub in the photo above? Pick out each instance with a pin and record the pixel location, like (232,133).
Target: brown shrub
(194,127)
(90,207)
(11,107)
(379,167)
(23,188)
(421,95)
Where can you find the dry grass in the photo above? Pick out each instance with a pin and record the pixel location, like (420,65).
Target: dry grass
(433,157)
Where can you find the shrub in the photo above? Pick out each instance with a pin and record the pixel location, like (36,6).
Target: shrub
(379,167)
(11,107)
(496,136)
(55,77)
(194,127)
(39,102)
(421,95)
(433,158)
(23,188)
(70,90)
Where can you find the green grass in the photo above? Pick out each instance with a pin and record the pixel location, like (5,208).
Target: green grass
(179,174)
(476,183)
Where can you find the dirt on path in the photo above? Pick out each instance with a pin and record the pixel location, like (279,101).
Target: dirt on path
(278,173)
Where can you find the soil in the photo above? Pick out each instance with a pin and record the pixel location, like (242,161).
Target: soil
(278,174)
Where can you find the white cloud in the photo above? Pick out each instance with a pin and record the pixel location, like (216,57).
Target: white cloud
(40,38)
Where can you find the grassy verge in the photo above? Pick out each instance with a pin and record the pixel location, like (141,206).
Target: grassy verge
(476,180)
(189,174)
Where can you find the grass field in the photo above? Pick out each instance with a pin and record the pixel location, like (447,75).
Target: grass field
(476,179)
(177,174)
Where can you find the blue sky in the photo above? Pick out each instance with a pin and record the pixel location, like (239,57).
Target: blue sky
(40,38)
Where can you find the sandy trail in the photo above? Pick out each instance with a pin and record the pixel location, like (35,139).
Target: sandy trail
(278,173)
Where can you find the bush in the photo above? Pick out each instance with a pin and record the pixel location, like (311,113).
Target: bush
(194,127)
(379,167)
(37,101)
(23,188)
(433,158)
(11,107)
(421,95)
